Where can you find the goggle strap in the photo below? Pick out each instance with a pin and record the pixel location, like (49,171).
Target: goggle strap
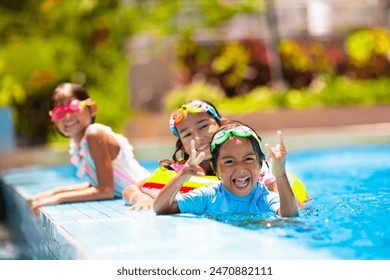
(247,132)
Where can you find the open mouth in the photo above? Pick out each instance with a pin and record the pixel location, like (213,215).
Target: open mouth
(202,148)
(70,124)
(241,182)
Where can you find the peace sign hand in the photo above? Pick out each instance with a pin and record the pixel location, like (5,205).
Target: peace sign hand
(191,167)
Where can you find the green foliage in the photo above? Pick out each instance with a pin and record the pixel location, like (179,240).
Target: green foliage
(340,91)
(330,91)
(48,42)
(294,56)
(196,90)
(363,44)
(11,92)
(233,59)
(261,98)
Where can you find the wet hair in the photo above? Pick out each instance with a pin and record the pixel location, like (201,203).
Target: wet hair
(255,144)
(179,145)
(77,90)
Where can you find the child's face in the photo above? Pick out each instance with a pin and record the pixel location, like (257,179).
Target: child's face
(72,124)
(238,166)
(200,127)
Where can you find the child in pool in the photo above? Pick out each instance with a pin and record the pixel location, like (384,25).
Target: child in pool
(195,120)
(103,158)
(237,160)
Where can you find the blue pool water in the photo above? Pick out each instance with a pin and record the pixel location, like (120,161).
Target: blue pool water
(349,213)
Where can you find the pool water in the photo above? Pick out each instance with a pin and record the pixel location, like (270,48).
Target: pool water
(349,213)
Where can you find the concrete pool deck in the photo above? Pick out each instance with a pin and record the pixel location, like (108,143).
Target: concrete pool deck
(108,230)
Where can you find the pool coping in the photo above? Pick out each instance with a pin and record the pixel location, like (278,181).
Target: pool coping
(108,230)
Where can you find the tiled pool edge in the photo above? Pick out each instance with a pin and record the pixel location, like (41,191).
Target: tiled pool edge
(107,230)
(45,238)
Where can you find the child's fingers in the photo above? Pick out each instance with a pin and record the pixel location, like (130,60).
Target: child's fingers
(268,156)
(200,158)
(280,141)
(193,153)
(271,153)
(200,171)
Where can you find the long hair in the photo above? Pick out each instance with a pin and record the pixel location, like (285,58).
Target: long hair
(183,157)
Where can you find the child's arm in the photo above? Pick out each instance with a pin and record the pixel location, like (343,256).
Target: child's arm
(165,202)
(288,205)
(51,196)
(58,190)
(103,150)
(133,195)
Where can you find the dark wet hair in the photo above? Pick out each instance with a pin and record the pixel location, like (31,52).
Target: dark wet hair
(255,144)
(179,145)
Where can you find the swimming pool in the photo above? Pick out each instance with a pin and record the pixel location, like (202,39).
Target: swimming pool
(349,214)
(351,207)
(347,218)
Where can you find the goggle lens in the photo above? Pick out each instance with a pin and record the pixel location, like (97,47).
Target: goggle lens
(73,106)
(239,131)
(196,106)
(178,115)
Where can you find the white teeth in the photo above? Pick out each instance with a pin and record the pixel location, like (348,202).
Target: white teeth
(241,182)
(245,178)
(202,147)
(70,124)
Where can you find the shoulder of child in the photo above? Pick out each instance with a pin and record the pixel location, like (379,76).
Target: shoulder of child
(95,133)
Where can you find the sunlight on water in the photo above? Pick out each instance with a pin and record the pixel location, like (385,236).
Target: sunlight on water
(348,214)
(350,206)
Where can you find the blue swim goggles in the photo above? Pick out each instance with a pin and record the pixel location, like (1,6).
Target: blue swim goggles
(196,106)
(241,131)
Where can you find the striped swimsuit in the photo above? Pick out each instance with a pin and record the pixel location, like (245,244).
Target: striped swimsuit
(126,168)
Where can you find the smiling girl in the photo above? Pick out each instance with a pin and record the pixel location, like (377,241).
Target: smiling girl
(195,120)
(103,158)
(237,160)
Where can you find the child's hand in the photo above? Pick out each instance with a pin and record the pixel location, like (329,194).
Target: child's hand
(145,204)
(278,156)
(192,165)
(36,204)
(35,207)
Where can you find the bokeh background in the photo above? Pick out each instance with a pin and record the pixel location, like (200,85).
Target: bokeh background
(273,63)
(145,57)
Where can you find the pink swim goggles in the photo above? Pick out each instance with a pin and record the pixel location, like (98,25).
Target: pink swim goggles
(73,106)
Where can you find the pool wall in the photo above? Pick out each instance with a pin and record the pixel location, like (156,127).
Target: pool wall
(107,230)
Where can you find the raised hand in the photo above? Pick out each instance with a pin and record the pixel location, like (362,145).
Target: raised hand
(192,165)
(278,155)
(165,201)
